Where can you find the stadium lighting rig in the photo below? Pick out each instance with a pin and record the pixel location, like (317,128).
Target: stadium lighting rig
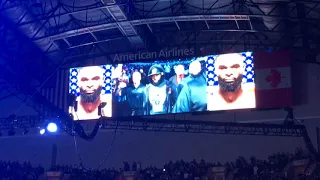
(22,124)
(45,125)
(50,127)
(206,127)
(65,122)
(62,121)
(13,124)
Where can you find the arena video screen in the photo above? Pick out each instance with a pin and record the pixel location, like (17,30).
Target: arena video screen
(230,80)
(209,83)
(92,87)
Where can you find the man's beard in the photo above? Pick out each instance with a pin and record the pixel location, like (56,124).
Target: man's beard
(158,82)
(90,98)
(230,87)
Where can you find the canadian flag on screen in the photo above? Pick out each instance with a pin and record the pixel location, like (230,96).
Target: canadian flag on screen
(273,79)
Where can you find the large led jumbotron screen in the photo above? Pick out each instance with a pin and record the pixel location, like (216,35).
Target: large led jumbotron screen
(209,83)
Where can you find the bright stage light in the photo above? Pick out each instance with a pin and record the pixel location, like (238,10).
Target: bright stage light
(42,131)
(52,127)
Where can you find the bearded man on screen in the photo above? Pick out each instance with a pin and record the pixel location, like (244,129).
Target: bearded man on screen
(231,93)
(90,82)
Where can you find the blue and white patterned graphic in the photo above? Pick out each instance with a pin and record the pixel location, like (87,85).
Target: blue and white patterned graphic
(248,74)
(73,80)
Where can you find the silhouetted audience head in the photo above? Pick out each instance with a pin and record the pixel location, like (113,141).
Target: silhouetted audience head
(240,169)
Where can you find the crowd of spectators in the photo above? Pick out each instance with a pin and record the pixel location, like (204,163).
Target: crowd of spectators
(241,169)
(14,170)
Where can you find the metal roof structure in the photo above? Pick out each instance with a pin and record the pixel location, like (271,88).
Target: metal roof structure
(80,30)
(39,37)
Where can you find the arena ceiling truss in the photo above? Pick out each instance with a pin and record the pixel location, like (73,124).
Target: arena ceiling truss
(80,30)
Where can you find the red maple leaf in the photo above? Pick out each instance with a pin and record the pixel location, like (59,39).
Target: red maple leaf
(274,78)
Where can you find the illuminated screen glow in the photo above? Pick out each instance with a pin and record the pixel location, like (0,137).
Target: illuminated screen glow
(209,83)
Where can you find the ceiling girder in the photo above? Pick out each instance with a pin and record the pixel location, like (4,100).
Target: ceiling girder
(132,23)
(107,26)
(124,26)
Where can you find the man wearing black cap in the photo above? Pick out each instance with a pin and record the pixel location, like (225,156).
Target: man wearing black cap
(160,94)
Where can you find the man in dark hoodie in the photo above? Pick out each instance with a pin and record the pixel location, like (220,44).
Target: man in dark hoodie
(160,94)
(135,95)
(193,96)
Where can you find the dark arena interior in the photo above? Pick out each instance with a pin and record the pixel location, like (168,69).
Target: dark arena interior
(159,89)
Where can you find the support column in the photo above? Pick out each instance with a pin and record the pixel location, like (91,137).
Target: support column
(318,138)
(286,27)
(307,56)
(54,154)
